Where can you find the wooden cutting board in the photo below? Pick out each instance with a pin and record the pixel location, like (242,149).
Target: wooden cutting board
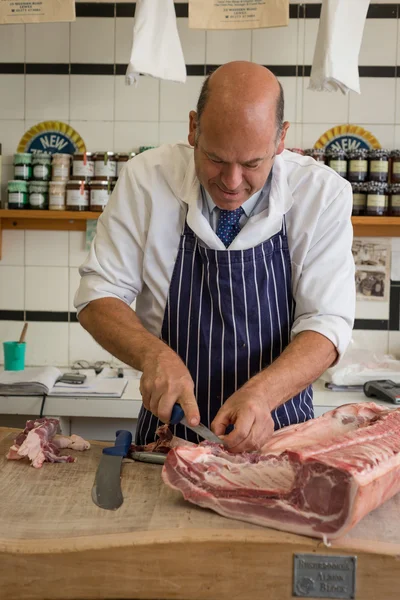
(56,544)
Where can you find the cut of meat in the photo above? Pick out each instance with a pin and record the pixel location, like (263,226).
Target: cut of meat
(318,478)
(38,443)
(164,443)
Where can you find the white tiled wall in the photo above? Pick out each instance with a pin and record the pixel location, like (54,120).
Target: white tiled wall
(38,270)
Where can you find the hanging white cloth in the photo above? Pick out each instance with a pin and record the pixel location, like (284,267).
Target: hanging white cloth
(156,47)
(335,63)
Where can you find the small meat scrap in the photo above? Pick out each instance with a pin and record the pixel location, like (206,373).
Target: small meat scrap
(39,444)
(166,441)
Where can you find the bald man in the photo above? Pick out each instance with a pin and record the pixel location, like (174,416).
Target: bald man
(238,254)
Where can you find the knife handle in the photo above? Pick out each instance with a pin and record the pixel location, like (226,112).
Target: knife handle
(122,444)
(176,415)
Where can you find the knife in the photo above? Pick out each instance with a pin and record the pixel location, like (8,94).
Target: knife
(178,416)
(106,490)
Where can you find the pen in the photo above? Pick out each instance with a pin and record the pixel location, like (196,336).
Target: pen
(120,372)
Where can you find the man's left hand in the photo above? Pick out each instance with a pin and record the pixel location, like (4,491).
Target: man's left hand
(249,412)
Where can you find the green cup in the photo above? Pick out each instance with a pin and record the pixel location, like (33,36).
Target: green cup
(14,356)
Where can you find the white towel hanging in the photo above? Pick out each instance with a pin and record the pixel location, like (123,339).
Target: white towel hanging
(156,47)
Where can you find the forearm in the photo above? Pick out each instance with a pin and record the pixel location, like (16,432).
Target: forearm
(117,328)
(300,364)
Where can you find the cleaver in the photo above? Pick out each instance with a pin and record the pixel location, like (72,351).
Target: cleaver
(106,490)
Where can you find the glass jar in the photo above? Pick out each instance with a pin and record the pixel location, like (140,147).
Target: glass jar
(17,195)
(100,192)
(377,199)
(61,165)
(83,165)
(336,160)
(357,166)
(23,166)
(57,195)
(395,166)
(123,158)
(77,195)
(378,165)
(41,166)
(38,195)
(394,199)
(105,165)
(317,154)
(360,191)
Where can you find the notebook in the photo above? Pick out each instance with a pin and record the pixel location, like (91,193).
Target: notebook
(33,381)
(92,386)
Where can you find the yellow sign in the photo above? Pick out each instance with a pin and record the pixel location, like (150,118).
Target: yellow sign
(347,138)
(52,137)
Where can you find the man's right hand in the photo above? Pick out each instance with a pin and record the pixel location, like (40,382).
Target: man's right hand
(166,380)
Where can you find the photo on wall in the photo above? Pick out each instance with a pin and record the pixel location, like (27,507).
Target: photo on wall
(372,260)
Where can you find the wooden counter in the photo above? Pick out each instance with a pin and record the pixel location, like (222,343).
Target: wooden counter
(56,544)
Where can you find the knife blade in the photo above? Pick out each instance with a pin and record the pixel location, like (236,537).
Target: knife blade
(106,490)
(178,416)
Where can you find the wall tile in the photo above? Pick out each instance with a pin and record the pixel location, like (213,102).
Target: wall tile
(11,131)
(311,132)
(11,288)
(193,42)
(224,46)
(83,347)
(319,107)
(12,43)
(379,42)
(178,99)
(124,35)
(139,103)
(130,135)
(276,45)
(291,140)
(385,134)
(173,132)
(289,85)
(395,266)
(396,244)
(97,135)
(397,135)
(372,310)
(310,39)
(394,344)
(86,33)
(47,97)
(48,248)
(47,43)
(47,344)
(13,244)
(74,279)
(46,288)
(376,103)
(9,332)
(12,97)
(77,248)
(376,341)
(92,97)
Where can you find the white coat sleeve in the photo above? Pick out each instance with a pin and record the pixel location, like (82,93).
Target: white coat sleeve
(114,266)
(325,293)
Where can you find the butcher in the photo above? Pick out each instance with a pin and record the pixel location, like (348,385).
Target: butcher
(222,268)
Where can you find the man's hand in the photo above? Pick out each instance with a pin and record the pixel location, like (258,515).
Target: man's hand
(166,380)
(248,410)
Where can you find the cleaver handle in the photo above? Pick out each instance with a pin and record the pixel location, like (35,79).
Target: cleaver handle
(122,444)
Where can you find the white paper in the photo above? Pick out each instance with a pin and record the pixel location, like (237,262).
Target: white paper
(32,380)
(92,386)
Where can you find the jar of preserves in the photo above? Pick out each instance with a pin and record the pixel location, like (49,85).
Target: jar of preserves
(100,192)
(23,166)
(57,191)
(317,154)
(105,165)
(17,195)
(337,160)
(83,165)
(122,159)
(38,195)
(378,165)
(61,166)
(394,199)
(295,150)
(77,195)
(360,191)
(41,166)
(395,166)
(357,165)
(377,199)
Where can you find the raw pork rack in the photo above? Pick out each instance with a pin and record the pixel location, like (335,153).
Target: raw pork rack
(317,478)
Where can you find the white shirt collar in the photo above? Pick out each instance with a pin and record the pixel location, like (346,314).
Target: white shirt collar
(247,206)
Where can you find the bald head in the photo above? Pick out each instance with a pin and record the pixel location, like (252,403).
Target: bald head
(242,91)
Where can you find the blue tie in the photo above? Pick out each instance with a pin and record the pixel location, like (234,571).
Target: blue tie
(228,225)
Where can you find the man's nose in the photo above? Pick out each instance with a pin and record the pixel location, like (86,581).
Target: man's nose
(231,177)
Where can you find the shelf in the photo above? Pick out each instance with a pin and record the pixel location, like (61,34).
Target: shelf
(65,220)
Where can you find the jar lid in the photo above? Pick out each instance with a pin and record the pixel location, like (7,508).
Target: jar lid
(394,188)
(41,158)
(101,154)
(377,153)
(23,157)
(38,186)
(101,182)
(60,156)
(360,153)
(17,186)
(377,186)
(395,154)
(81,155)
(78,182)
(358,187)
(336,153)
(122,155)
(314,151)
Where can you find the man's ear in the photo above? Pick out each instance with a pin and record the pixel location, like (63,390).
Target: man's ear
(281,144)
(192,127)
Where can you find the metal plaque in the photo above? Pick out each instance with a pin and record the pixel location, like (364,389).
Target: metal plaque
(324,576)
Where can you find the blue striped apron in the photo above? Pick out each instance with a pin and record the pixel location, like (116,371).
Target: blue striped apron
(229,315)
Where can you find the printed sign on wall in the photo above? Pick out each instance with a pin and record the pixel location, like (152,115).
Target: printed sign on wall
(347,138)
(52,137)
(37,11)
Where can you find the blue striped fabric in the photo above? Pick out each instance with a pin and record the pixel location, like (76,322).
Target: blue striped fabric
(228,315)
